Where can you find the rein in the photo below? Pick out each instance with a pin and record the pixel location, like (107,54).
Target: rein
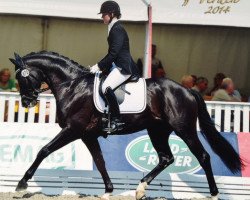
(35,91)
(48,88)
(42,90)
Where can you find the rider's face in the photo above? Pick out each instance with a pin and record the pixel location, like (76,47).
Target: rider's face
(106,18)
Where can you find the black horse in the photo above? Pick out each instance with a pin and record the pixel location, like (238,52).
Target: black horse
(170,107)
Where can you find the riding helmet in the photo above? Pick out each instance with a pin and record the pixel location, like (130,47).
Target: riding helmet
(110,7)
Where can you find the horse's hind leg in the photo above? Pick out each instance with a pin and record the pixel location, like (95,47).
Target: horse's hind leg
(159,138)
(195,146)
(66,136)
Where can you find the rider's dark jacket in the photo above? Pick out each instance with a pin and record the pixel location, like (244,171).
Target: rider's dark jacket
(118,52)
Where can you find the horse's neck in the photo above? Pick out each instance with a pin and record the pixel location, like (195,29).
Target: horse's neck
(56,75)
(59,79)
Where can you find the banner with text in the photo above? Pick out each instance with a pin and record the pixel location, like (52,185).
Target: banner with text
(136,153)
(200,12)
(205,12)
(20,143)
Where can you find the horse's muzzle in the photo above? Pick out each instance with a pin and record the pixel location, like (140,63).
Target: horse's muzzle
(28,102)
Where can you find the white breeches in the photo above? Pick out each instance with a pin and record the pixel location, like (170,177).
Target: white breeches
(114,79)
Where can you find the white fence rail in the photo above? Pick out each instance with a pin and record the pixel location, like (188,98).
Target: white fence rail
(228,116)
(57,182)
(11,109)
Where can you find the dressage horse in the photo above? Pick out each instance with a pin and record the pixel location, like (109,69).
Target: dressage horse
(170,107)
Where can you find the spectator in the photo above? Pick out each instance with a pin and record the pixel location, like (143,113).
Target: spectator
(6,83)
(200,85)
(45,86)
(160,73)
(194,78)
(227,92)
(217,83)
(157,69)
(156,63)
(187,81)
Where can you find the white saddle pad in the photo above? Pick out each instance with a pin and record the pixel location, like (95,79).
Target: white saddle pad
(135,102)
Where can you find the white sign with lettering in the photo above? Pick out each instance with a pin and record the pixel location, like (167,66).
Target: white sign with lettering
(204,12)
(20,143)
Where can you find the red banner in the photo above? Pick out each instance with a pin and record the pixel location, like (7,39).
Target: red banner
(244,149)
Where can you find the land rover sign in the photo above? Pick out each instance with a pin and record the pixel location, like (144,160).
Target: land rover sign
(141,155)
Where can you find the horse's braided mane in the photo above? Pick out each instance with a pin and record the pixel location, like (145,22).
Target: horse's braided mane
(57,55)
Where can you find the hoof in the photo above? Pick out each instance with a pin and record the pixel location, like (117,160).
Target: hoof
(105,196)
(216,197)
(21,186)
(140,192)
(143,198)
(140,196)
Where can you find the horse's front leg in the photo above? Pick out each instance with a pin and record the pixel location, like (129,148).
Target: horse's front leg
(65,136)
(96,152)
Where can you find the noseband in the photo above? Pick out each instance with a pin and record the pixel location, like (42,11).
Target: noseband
(31,90)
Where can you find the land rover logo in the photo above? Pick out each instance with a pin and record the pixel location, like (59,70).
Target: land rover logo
(141,155)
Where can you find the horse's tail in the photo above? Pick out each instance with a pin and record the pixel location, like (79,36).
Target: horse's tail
(218,143)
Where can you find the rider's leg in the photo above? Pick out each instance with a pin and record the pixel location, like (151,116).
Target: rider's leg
(114,79)
(113,104)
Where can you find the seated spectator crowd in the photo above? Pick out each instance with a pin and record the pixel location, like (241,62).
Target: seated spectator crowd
(6,83)
(223,89)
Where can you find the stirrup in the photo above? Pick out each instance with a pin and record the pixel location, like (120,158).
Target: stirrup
(111,126)
(119,125)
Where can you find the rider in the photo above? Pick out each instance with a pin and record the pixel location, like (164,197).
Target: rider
(118,63)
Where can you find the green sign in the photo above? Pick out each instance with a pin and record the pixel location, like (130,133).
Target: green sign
(141,154)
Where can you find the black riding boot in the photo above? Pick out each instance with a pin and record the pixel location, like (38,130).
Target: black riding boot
(114,110)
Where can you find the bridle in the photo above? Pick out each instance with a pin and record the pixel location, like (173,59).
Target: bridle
(32,91)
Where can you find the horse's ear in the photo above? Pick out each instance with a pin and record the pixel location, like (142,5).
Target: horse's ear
(13,61)
(17,66)
(19,61)
(16,56)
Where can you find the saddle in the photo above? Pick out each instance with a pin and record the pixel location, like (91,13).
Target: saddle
(131,95)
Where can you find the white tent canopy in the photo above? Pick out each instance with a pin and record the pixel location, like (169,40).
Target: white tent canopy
(200,12)
(85,9)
